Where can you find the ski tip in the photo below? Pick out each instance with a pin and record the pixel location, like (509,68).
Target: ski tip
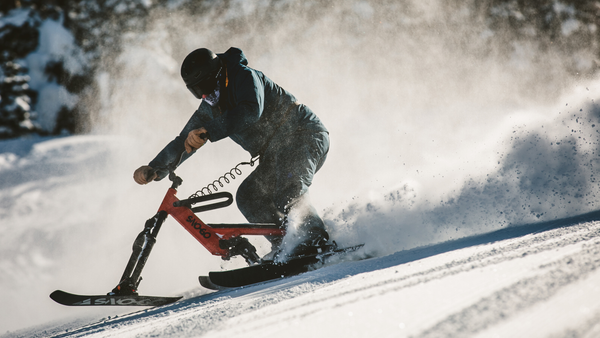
(61,297)
(207,283)
(56,294)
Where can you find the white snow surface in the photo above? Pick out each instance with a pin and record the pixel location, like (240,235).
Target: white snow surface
(538,280)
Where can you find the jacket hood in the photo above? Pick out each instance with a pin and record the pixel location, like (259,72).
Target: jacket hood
(234,56)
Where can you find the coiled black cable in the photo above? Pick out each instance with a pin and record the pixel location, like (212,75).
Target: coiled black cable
(225,179)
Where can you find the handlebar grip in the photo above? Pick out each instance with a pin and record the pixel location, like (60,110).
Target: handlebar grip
(171,166)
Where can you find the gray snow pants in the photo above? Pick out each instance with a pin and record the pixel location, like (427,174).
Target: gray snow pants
(279,184)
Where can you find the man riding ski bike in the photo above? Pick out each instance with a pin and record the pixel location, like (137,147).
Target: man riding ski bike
(267,121)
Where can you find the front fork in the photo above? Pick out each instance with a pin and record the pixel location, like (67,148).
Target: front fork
(142,246)
(145,240)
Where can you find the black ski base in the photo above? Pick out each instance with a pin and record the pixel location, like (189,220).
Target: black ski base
(267,270)
(207,283)
(70,299)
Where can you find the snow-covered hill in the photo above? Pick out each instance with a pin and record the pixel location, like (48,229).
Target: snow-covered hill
(529,281)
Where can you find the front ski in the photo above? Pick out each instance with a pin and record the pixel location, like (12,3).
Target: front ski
(70,299)
(267,270)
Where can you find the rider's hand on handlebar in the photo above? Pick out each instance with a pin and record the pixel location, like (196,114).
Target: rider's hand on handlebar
(144,175)
(195,139)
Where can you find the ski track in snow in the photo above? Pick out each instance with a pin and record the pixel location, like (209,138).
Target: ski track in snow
(462,288)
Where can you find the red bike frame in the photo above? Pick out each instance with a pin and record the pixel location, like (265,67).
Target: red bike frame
(223,240)
(212,236)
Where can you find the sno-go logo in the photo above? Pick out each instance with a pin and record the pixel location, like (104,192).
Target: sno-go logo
(198,226)
(119,301)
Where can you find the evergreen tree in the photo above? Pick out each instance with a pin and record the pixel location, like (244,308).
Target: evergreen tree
(16,97)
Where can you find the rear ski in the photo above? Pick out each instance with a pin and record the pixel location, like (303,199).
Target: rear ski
(268,270)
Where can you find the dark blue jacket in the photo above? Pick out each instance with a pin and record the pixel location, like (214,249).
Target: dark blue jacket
(253,111)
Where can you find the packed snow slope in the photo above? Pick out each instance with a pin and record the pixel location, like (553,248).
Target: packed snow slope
(539,280)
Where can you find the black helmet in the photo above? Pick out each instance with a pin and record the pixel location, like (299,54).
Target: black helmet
(200,70)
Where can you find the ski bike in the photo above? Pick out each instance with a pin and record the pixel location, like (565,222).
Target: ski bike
(224,240)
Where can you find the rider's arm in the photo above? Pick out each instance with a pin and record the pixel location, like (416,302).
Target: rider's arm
(176,147)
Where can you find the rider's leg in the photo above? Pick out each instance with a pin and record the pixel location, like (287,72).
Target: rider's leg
(255,200)
(254,197)
(296,169)
(277,190)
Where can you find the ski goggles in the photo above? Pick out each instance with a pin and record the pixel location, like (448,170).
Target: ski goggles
(205,85)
